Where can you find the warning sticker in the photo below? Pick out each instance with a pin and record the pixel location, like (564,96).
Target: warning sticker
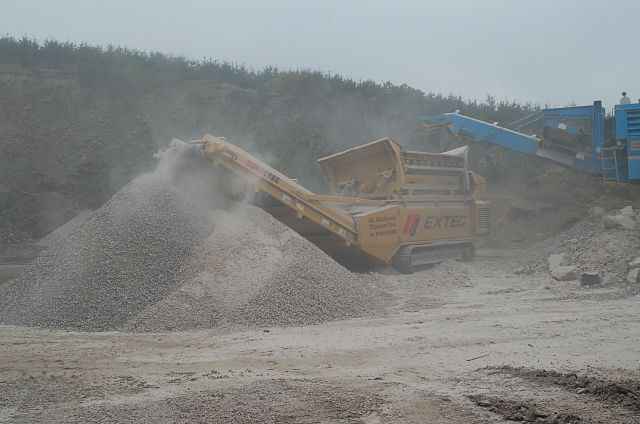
(286,198)
(326,222)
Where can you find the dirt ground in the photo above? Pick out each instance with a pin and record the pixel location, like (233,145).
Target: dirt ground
(470,342)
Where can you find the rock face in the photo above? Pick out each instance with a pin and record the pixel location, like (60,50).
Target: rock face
(618,221)
(558,259)
(564,273)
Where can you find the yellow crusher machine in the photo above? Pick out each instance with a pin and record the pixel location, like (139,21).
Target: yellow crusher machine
(385,204)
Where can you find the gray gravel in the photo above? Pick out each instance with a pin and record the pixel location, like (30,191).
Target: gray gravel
(253,271)
(274,401)
(589,247)
(150,260)
(127,255)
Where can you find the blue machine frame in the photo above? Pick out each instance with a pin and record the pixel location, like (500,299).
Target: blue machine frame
(593,147)
(627,127)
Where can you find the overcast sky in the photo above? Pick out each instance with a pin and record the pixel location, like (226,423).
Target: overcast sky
(542,51)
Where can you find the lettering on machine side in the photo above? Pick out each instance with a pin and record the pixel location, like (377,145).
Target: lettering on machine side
(445,221)
(259,170)
(382,226)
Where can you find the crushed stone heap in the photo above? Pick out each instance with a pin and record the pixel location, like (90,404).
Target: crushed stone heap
(254,271)
(591,245)
(126,255)
(150,260)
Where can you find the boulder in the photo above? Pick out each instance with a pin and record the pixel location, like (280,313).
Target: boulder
(634,263)
(590,278)
(632,276)
(556,260)
(618,221)
(627,211)
(564,273)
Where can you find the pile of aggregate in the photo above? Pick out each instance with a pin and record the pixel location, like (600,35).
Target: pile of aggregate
(123,257)
(589,246)
(255,271)
(150,260)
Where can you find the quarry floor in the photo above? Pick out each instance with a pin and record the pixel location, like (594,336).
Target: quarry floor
(447,351)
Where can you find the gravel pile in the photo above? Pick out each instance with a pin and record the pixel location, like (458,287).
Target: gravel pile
(150,260)
(255,271)
(126,255)
(589,246)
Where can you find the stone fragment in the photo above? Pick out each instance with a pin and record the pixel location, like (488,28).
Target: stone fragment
(590,278)
(556,260)
(618,221)
(564,273)
(632,276)
(627,211)
(635,263)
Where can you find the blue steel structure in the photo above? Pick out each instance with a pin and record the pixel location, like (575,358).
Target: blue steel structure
(627,130)
(580,137)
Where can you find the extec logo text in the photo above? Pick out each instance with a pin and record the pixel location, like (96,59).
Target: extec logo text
(445,221)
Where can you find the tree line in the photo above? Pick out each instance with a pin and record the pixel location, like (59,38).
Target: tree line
(134,69)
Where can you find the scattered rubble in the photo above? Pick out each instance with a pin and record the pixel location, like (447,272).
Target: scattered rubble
(590,278)
(522,410)
(633,276)
(560,267)
(591,245)
(558,259)
(564,273)
(634,263)
(622,221)
(625,392)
